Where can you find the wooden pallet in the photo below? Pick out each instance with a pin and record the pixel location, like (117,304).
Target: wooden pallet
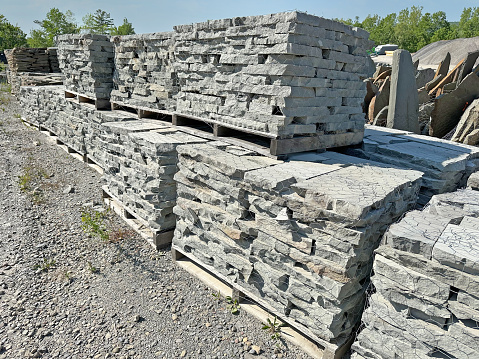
(99,104)
(158,239)
(295,332)
(143,112)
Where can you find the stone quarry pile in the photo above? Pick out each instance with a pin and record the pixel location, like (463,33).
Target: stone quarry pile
(297,235)
(446,165)
(29,60)
(140,161)
(144,74)
(281,75)
(86,60)
(426,279)
(38,103)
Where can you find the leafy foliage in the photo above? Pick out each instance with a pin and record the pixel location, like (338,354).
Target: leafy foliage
(55,23)
(99,22)
(411,29)
(10,35)
(124,29)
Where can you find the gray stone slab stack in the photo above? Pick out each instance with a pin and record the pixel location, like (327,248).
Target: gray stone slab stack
(38,103)
(28,59)
(140,161)
(446,164)
(144,73)
(426,279)
(297,235)
(86,60)
(282,75)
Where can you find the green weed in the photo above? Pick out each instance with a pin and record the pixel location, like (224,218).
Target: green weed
(47,264)
(94,223)
(274,328)
(233,305)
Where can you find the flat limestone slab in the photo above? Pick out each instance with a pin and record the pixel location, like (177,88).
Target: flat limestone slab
(458,247)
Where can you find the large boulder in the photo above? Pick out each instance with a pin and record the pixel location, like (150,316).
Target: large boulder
(403,97)
(449,107)
(468,126)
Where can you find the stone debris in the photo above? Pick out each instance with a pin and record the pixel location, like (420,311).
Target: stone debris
(446,165)
(283,74)
(426,276)
(144,74)
(298,235)
(467,130)
(86,61)
(140,161)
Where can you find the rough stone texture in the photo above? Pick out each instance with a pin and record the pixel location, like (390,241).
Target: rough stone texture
(297,234)
(403,99)
(443,67)
(468,124)
(32,60)
(449,107)
(283,74)
(379,101)
(473,181)
(86,61)
(446,165)
(144,74)
(427,284)
(424,76)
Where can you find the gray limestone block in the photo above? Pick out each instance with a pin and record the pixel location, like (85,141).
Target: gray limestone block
(416,233)
(473,181)
(458,247)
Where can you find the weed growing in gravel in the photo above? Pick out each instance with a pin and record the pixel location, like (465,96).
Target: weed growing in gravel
(119,235)
(94,223)
(233,305)
(274,328)
(91,268)
(17,116)
(47,264)
(31,180)
(217,295)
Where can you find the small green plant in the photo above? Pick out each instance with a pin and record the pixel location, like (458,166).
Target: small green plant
(47,264)
(233,305)
(216,296)
(94,223)
(17,115)
(91,268)
(68,275)
(274,328)
(32,180)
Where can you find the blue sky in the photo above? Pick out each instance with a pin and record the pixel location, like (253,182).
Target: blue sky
(155,16)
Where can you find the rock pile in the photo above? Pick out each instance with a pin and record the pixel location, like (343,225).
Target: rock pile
(297,235)
(144,75)
(426,276)
(38,103)
(281,75)
(140,161)
(28,60)
(86,61)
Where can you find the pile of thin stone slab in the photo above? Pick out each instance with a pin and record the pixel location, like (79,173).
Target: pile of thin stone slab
(86,60)
(140,161)
(144,75)
(38,102)
(426,280)
(282,75)
(446,165)
(297,235)
(29,60)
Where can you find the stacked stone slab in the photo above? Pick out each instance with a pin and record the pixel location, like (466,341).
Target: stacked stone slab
(86,60)
(28,59)
(426,276)
(446,165)
(144,73)
(140,161)
(280,75)
(38,103)
(297,235)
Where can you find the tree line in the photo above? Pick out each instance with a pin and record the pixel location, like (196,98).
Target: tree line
(56,23)
(410,29)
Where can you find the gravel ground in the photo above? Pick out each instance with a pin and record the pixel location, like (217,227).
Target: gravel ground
(67,294)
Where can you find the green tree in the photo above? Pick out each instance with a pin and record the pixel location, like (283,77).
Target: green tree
(55,23)
(469,23)
(98,23)
(10,35)
(124,29)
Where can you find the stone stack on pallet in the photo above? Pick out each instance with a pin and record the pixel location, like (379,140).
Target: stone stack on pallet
(426,279)
(53,59)
(296,235)
(144,73)
(39,103)
(140,161)
(28,60)
(446,165)
(87,62)
(281,75)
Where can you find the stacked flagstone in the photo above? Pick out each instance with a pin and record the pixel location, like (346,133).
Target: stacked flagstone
(38,103)
(281,75)
(446,165)
(426,275)
(53,59)
(140,161)
(28,59)
(86,60)
(298,235)
(144,74)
